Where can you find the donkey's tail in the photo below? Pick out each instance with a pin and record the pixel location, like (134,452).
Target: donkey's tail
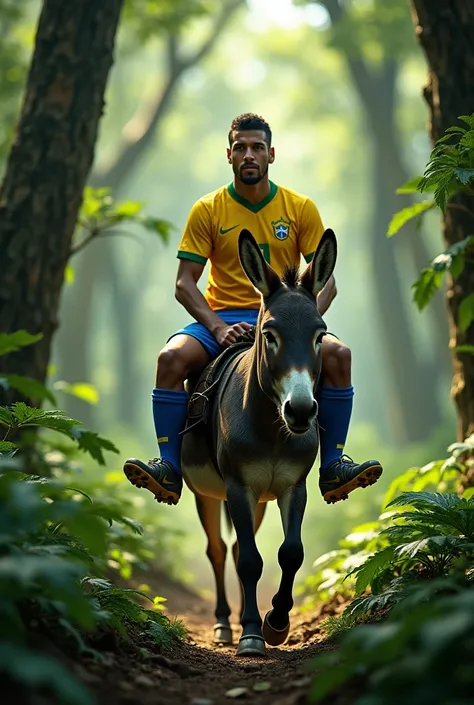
(228,518)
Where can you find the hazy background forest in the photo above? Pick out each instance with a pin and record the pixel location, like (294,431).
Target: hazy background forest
(343,97)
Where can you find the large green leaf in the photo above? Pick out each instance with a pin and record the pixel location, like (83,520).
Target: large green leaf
(28,387)
(432,277)
(410,186)
(464,175)
(55,419)
(430,545)
(128,209)
(11,342)
(93,444)
(373,565)
(159,227)
(7,447)
(406,214)
(428,500)
(80,390)
(426,286)
(466,312)
(468,349)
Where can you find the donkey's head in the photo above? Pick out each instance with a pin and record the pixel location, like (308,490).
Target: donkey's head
(289,329)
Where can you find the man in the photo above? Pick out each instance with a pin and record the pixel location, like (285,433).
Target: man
(286,225)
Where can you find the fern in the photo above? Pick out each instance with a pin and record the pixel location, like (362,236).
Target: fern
(369,569)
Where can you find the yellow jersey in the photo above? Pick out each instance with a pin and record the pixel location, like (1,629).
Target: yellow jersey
(285,225)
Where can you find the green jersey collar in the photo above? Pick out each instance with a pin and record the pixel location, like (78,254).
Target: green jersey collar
(254,207)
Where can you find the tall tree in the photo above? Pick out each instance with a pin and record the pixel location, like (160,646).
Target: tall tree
(414,407)
(99,266)
(446,34)
(47,169)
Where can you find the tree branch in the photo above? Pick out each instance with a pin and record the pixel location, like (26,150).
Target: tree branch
(141,129)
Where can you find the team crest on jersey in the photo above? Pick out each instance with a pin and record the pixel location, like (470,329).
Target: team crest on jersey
(281,228)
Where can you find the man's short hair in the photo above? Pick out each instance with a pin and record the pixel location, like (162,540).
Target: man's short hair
(250,121)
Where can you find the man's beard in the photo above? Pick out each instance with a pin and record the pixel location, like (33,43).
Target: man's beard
(251,180)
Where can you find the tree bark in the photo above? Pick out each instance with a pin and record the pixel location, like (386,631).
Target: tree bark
(446,33)
(47,169)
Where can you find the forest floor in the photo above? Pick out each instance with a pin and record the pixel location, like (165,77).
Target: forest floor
(198,672)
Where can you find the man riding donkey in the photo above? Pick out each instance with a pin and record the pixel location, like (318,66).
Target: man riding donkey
(285,225)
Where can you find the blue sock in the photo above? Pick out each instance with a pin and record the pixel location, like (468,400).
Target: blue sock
(335,409)
(169,414)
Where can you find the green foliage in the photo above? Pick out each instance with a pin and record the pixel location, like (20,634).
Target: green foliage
(421,655)
(20,415)
(58,543)
(432,277)
(408,213)
(450,171)
(100,215)
(12,342)
(81,390)
(405,638)
(335,571)
(450,168)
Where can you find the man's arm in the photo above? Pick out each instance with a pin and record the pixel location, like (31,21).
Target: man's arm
(189,296)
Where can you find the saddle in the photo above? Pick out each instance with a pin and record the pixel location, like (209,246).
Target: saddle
(200,401)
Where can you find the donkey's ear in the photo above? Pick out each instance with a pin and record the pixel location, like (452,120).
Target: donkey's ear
(322,265)
(262,276)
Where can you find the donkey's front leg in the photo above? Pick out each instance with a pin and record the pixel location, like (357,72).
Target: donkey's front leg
(290,557)
(242,505)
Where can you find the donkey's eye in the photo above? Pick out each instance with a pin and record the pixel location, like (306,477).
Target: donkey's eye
(270,338)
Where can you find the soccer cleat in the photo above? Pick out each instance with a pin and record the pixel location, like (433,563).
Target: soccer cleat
(343,475)
(158,476)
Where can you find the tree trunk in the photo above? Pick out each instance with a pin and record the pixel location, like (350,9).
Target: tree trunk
(101,258)
(446,33)
(48,167)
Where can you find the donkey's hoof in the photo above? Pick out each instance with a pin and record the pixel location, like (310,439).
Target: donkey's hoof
(251,645)
(222,634)
(274,637)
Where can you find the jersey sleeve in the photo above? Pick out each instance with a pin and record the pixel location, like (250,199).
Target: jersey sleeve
(196,241)
(310,230)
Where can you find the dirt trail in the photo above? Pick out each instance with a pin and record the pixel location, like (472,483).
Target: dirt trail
(201,673)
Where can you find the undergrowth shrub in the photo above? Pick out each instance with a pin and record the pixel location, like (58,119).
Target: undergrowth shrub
(407,634)
(58,544)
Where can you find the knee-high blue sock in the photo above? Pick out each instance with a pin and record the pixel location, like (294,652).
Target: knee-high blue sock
(169,414)
(335,409)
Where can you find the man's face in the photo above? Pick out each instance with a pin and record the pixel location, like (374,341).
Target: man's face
(250,155)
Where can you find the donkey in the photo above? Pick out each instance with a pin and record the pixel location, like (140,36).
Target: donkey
(264,439)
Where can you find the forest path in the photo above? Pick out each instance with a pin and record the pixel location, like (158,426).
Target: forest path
(199,672)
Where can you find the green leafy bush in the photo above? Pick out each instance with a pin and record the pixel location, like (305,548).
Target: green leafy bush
(334,571)
(406,637)
(56,543)
(421,654)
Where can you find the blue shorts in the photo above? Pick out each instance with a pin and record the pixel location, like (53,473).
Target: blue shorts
(207,340)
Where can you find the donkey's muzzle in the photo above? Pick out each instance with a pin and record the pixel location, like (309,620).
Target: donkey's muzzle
(299,413)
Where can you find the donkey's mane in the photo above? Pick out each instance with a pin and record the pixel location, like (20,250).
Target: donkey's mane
(291,276)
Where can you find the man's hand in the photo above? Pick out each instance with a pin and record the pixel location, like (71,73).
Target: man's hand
(327,294)
(226,335)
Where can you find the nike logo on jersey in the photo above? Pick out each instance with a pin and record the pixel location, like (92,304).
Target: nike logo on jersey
(224,232)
